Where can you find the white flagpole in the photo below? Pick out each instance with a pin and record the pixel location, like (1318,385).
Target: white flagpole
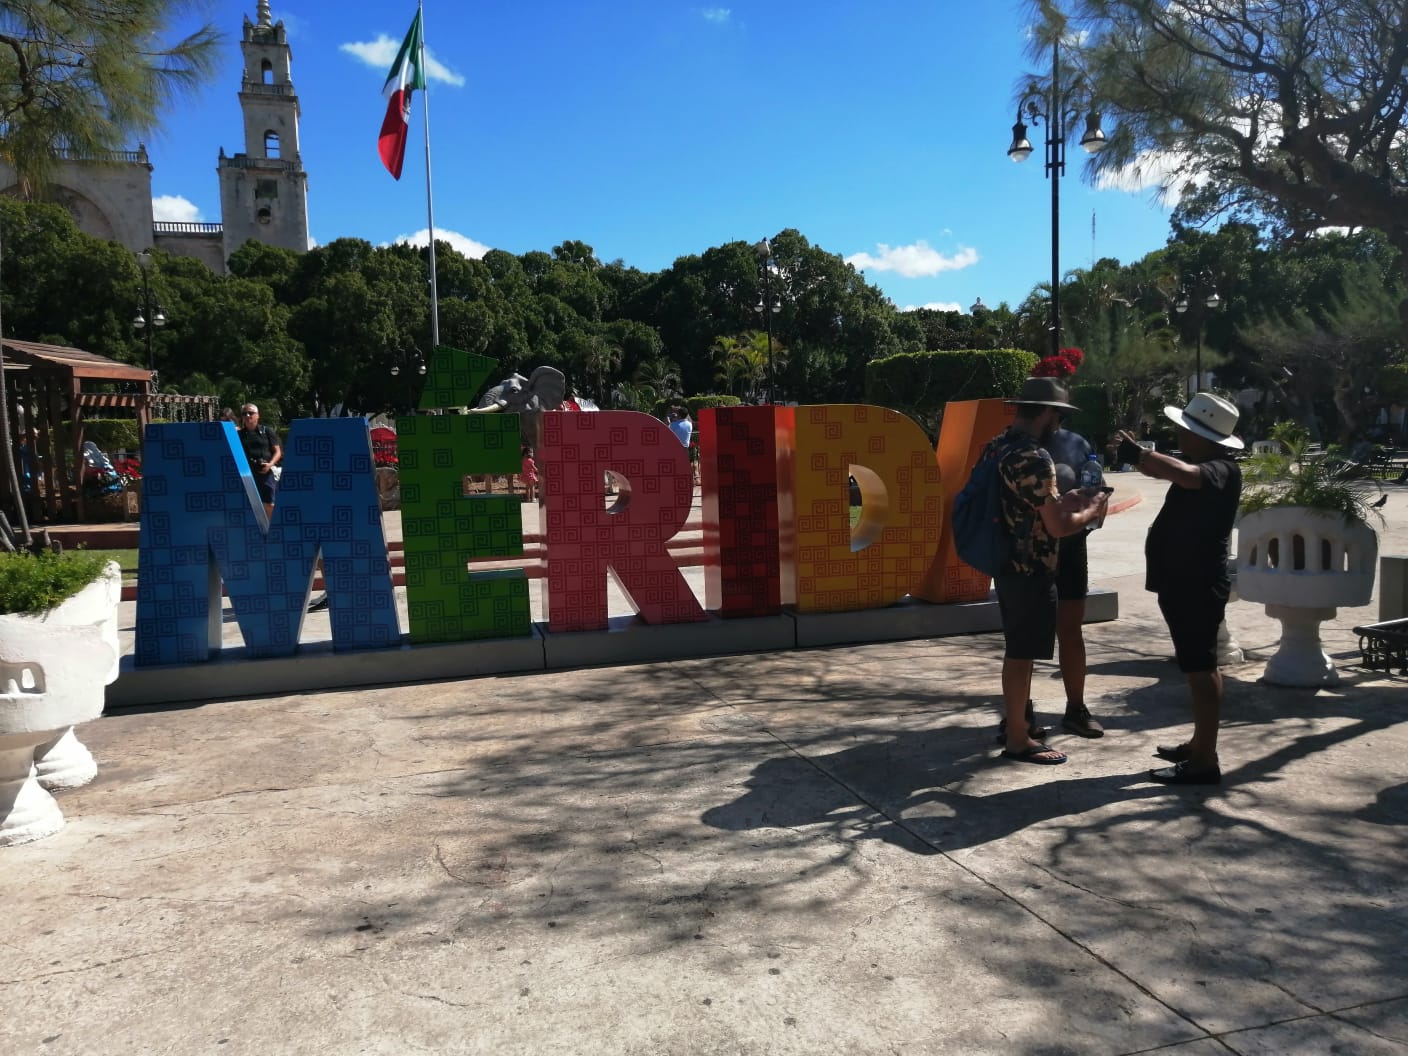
(429,198)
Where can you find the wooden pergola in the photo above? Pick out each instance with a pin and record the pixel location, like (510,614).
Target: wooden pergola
(51,389)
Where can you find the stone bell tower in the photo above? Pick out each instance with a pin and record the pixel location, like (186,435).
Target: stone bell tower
(264,191)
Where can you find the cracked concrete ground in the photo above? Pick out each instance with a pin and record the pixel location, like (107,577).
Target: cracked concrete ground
(803,852)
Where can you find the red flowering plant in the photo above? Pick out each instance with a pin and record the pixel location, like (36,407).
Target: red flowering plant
(1064,363)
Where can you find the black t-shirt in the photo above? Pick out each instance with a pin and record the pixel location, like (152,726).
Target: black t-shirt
(258,443)
(1186,551)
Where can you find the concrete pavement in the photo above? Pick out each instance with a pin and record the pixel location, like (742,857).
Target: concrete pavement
(805,852)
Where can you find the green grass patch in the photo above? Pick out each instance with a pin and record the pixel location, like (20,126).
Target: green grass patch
(126,559)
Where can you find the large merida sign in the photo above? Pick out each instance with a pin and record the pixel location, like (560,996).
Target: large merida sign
(777,533)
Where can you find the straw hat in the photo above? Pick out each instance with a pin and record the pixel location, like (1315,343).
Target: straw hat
(1209,416)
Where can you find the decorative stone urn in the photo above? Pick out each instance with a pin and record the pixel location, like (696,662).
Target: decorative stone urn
(1302,564)
(54,666)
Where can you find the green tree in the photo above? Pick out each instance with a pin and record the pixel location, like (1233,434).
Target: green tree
(1290,113)
(83,77)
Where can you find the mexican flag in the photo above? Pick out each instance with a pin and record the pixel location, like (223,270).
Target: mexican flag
(405,77)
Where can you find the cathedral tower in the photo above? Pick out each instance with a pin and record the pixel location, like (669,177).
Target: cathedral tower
(264,191)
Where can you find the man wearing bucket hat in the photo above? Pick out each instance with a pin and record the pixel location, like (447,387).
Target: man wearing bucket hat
(1186,566)
(1034,516)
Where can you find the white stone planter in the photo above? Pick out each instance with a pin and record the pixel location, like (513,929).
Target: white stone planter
(53,668)
(1303,564)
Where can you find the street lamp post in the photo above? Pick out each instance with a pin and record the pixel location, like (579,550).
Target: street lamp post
(768,304)
(415,367)
(1057,120)
(1205,298)
(149,316)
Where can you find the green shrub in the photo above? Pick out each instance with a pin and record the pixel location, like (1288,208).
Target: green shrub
(36,582)
(113,434)
(695,404)
(918,384)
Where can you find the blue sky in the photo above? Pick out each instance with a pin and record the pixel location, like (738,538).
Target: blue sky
(653,129)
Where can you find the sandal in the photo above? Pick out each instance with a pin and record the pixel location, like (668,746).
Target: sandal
(1035,732)
(1035,754)
(1174,753)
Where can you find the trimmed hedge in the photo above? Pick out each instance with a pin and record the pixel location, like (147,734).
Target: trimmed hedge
(699,403)
(918,384)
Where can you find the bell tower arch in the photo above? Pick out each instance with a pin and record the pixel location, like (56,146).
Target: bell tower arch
(264,190)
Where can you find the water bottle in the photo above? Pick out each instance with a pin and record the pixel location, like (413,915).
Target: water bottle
(1090,474)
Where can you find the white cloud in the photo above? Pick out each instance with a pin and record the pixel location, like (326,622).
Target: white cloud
(934,306)
(381,53)
(1158,170)
(172,207)
(716,15)
(913,262)
(462,243)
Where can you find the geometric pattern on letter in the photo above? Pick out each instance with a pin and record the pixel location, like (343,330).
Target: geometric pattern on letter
(904,516)
(585,539)
(453,378)
(968,425)
(443,528)
(738,462)
(202,522)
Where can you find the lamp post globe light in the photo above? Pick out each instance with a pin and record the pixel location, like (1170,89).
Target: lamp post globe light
(768,304)
(415,367)
(1205,299)
(149,315)
(1057,118)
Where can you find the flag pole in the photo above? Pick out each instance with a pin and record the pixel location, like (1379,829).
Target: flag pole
(429,198)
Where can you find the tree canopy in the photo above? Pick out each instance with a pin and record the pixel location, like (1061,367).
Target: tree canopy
(83,77)
(1287,113)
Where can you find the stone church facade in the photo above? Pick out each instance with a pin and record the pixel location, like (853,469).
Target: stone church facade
(263,190)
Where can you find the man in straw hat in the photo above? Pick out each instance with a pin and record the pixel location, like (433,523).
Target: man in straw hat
(1034,516)
(1186,559)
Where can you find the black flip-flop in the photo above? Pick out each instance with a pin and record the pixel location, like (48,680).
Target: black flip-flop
(1032,755)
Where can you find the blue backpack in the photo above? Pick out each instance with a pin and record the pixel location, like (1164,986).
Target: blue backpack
(979,535)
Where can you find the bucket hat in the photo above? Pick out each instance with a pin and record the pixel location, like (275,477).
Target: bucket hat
(1210,417)
(1044,392)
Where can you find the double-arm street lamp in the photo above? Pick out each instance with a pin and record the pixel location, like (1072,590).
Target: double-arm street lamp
(768,304)
(1200,294)
(415,368)
(149,314)
(1058,119)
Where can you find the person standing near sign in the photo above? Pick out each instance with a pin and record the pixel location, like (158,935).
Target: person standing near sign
(1034,516)
(1186,560)
(1070,452)
(264,452)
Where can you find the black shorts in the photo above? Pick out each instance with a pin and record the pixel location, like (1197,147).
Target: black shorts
(1072,568)
(1028,607)
(1193,620)
(264,483)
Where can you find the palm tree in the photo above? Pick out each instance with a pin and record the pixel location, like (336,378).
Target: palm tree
(662,375)
(78,79)
(600,358)
(742,362)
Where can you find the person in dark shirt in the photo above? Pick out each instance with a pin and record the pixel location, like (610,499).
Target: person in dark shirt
(262,448)
(1070,452)
(1034,516)
(1186,566)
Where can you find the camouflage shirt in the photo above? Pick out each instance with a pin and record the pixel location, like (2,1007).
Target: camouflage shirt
(1029,482)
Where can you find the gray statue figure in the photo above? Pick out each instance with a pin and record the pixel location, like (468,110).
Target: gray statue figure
(528,397)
